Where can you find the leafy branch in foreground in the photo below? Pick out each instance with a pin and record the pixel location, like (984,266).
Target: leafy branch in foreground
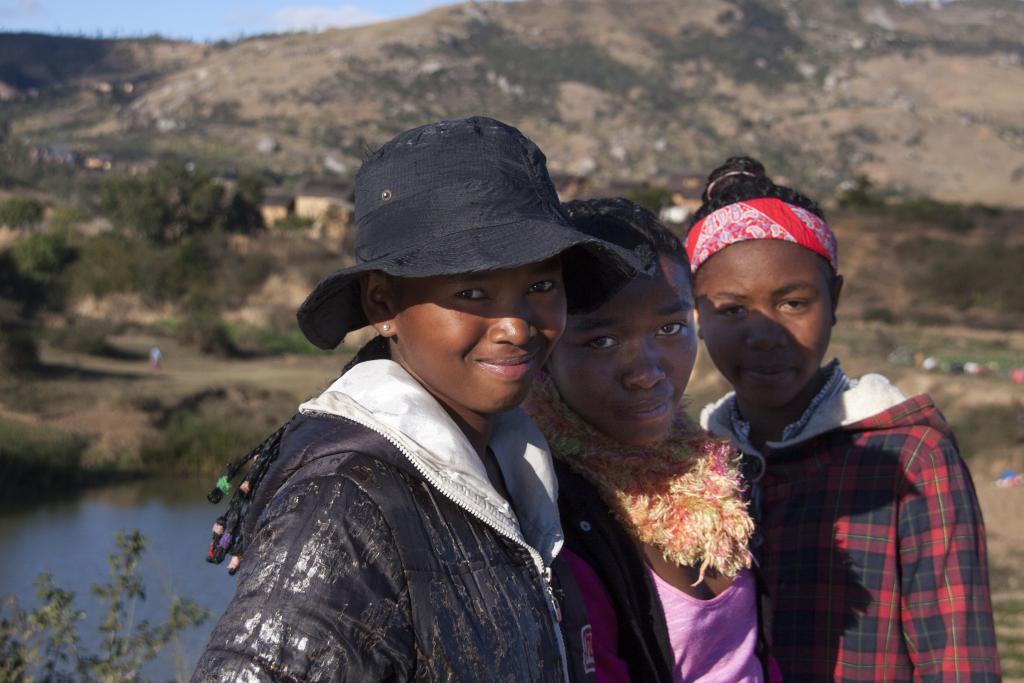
(44,644)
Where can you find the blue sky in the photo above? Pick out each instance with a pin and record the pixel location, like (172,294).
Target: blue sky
(198,19)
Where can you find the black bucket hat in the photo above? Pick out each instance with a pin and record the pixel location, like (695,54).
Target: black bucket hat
(454,197)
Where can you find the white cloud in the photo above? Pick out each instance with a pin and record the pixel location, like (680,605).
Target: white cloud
(319,17)
(21,8)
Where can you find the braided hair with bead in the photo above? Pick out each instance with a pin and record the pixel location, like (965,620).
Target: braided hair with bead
(228,538)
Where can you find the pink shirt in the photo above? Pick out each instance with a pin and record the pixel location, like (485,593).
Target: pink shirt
(714,640)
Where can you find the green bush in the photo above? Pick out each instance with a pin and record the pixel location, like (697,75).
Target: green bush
(293,222)
(171,272)
(65,216)
(106,264)
(46,645)
(262,341)
(42,256)
(136,205)
(84,336)
(952,217)
(176,200)
(881,314)
(651,197)
(861,195)
(20,212)
(208,334)
(237,277)
(990,427)
(195,442)
(964,276)
(19,351)
(37,459)
(114,263)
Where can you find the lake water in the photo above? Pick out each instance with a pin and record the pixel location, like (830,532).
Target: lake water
(72,538)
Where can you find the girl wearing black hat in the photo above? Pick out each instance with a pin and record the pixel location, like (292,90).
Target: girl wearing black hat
(409,529)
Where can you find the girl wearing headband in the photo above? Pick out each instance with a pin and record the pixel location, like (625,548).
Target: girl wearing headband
(407,528)
(869,533)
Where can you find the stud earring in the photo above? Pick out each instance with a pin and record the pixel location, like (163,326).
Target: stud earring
(386,327)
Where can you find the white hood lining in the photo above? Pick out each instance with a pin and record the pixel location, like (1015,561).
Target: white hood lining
(870,395)
(382,396)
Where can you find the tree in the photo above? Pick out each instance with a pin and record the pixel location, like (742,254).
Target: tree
(177,200)
(20,212)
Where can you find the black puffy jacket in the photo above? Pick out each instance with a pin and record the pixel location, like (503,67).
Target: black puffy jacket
(360,570)
(593,533)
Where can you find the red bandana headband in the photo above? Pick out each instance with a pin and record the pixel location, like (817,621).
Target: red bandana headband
(759,219)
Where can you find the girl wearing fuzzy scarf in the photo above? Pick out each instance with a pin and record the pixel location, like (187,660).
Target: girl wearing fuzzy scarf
(655,521)
(656,525)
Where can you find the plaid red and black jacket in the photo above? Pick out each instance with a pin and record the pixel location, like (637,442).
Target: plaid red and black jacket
(874,554)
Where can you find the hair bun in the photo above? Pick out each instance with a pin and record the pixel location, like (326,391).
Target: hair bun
(743,178)
(735,171)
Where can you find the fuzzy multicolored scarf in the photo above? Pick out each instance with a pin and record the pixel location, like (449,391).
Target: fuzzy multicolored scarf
(682,496)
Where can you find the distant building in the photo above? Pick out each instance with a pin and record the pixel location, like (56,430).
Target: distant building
(98,162)
(276,206)
(316,199)
(336,226)
(60,154)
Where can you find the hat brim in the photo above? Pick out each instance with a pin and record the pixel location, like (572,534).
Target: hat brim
(592,272)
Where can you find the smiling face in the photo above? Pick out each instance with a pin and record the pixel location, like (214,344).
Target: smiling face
(473,341)
(624,367)
(766,309)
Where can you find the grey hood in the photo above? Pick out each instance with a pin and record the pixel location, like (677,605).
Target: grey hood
(383,397)
(866,397)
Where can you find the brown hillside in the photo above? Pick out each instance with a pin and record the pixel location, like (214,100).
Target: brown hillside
(922,99)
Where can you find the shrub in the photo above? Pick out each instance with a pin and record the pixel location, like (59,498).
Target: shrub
(45,644)
(860,195)
(65,216)
(84,336)
(952,217)
(239,276)
(169,273)
(19,352)
(265,341)
(38,460)
(208,334)
(20,212)
(293,222)
(42,256)
(881,314)
(203,328)
(651,197)
(134,204)
(106,264)
(193,442)
(965,276)
(989,427)
(175,201)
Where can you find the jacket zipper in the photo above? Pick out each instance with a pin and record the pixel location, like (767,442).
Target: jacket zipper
(543,571)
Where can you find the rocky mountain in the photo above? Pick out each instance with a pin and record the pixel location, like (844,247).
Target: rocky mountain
(922,98)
